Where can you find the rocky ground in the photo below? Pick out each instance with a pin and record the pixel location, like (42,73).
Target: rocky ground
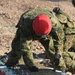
(10,12)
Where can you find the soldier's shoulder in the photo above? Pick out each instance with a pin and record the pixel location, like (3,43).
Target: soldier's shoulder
(32,13)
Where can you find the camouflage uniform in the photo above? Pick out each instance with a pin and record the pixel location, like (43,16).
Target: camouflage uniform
(68,53)
(53,43)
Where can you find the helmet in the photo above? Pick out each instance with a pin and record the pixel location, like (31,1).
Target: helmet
(42,25)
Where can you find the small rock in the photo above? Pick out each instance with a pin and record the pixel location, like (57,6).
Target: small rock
(68,73)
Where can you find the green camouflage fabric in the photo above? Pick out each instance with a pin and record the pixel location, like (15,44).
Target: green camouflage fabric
(54,43)
(68,54)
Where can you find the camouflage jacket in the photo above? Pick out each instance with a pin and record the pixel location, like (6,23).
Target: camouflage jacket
(62,25)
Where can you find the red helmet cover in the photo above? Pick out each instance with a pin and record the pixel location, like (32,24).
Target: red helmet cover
(42,24)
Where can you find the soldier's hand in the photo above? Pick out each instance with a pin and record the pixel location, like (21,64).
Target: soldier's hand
(33,69)
(11,64)
(57,59)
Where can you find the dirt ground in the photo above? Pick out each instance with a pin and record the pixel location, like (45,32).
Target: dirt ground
(11,10)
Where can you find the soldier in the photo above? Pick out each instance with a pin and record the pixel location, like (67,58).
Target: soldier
(68,52)
(48,27)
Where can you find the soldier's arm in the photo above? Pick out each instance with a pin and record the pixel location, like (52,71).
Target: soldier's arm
(57,34)
(58,37)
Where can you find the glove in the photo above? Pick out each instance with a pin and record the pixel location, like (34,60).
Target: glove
(56,59)
(56,10)
(10,64)
(33,69)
